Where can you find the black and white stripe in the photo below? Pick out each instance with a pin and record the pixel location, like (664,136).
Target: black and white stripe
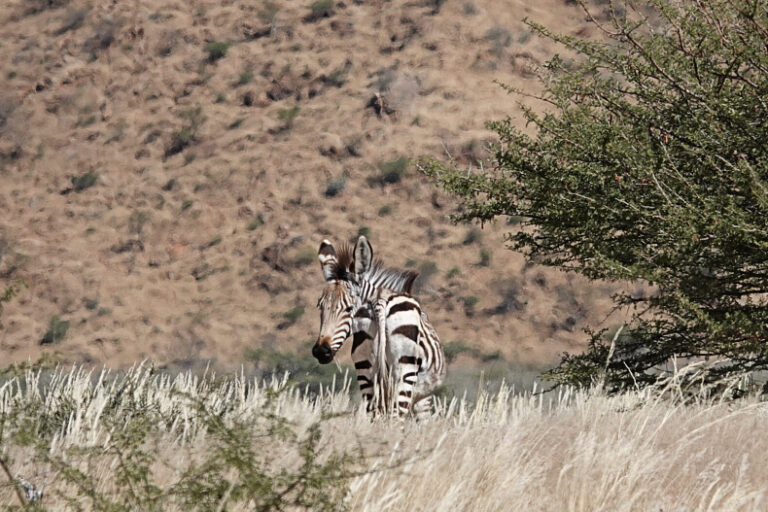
(409,358)
(364,298)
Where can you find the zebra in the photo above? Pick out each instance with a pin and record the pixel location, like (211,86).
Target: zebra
(397,372)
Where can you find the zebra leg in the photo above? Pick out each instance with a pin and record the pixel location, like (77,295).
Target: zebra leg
(422,408)
(405,380)
(362,345)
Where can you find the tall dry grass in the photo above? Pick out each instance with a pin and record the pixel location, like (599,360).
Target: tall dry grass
(571,451)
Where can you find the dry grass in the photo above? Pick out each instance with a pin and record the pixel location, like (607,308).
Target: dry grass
(574,451)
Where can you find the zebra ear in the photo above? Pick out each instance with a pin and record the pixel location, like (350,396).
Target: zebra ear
(326,254)
(363,256)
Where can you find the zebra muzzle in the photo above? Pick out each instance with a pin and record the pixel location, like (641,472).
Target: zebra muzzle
(322,352)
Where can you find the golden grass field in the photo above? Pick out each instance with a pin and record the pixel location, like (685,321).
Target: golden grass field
(565,451)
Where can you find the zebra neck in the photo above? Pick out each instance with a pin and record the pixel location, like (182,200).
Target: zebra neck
(384,278)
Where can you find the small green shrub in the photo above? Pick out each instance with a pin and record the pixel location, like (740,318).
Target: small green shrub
(57,329)
(469,304)
(290,317)
(453,273)
(385,210)
(245,78)
(84,181)
(267,12)
(320,9)
(473,235)
(453,349)
(288,116)
(216,50)
(255,223)
(138,220)
(306,256)
(485,258)
(364,231)
(392,171)
(335,186)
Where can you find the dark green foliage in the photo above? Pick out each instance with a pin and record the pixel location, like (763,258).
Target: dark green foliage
(391,171)
(319,9)
(255,223)
(291,316)
(335,186)
(245,77)
(188,134)
(84,181)
(302,367)
(57,329)
(288,116)
(650,165)
(216,50)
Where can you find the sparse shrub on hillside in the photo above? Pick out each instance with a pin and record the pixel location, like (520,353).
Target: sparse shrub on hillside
(363,231)
(37,6)
(186,135)
(427,269)
(84,181)
(302,367)
(166,43)
(305,256)
(8,294)
(244,78)
(485,257)
(335,186)
(500,39)
(103,36)
(453,349)
(267,12)
(385,210)
(474,235)
(288,116)
(137,221)
(320,9)
(290,317)
(57,329)
(73,20)
(8,104)
(454,272)
(255,223)
(338,77)
(469,304)
(216,50)
(470,9)
(391,171)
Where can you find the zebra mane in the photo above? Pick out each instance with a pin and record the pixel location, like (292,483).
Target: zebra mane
(394,279)
(378,275)
(341,268)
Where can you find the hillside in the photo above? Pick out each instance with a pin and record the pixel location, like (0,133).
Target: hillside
(169,169)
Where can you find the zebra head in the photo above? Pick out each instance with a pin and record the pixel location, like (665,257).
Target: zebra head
(352,278)
(338,301)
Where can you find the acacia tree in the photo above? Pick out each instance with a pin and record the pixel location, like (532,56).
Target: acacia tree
(649,164)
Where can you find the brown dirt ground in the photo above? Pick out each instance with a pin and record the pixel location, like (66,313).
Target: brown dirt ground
(198,255)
